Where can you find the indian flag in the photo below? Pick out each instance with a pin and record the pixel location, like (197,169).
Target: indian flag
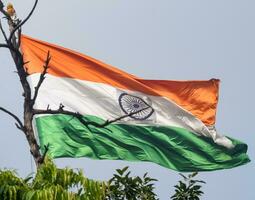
(171,123)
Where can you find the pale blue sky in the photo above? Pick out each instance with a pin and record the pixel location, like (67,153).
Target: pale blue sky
(154,39)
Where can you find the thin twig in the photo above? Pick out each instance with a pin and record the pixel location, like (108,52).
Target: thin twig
(107,122)
(19,36)
(46,149)
(42,77)
(19,124)
(21,23)
(3,32)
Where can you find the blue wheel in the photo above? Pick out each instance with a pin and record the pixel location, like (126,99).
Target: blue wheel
(132,104)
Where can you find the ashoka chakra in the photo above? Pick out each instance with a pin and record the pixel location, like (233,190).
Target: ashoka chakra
(132,104)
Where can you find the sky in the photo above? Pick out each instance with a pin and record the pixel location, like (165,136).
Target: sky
(153,39)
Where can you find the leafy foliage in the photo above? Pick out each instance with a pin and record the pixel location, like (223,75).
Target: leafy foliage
(122,187)
(189,189)
(11,186)
(50,183)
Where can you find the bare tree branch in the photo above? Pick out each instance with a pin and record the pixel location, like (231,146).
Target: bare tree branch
(19,124)
(10,47)
(42,77)
(61,110)
(80,117)
(4,46)
(21,23)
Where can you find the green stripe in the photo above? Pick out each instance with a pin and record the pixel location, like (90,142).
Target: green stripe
(171,147)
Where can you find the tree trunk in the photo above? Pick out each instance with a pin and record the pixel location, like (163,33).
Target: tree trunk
(30,135)
(28,103)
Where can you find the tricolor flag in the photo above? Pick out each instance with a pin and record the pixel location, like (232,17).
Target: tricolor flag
(171,123)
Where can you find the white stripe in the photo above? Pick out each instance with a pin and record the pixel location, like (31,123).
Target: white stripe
(101,100)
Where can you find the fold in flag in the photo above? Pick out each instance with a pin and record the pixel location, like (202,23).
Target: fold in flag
(170,123)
